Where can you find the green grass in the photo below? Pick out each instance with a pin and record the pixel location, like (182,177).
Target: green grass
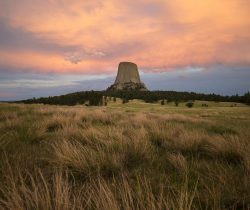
(125,156)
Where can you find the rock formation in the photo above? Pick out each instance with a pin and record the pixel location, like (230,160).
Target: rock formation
(128,78)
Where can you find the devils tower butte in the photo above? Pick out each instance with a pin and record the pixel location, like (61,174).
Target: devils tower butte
(128,78)
(127,72)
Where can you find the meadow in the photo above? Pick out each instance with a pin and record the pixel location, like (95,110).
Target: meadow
(125,156)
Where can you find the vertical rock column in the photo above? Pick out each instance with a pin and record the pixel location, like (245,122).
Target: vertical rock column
(127,72)
(128,78)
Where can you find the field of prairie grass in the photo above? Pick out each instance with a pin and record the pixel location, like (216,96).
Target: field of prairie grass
(125,156)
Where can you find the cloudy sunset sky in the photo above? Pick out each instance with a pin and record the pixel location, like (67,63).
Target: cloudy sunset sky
(52,47)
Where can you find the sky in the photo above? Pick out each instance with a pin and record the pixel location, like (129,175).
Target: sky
(52,47)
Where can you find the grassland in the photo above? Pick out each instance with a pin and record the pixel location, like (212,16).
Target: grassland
(125,156)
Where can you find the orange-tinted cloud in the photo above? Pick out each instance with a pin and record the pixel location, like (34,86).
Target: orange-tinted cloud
(93,36)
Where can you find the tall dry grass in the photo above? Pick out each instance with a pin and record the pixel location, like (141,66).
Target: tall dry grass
(96,158)
(24,191)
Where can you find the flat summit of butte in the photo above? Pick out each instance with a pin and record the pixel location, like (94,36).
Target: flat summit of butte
(128,78)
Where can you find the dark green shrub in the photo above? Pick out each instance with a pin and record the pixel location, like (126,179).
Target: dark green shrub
(190,104)
(124,101)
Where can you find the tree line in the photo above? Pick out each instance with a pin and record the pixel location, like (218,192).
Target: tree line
(98,98)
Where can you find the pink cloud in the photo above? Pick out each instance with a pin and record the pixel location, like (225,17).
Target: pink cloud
(157,34)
